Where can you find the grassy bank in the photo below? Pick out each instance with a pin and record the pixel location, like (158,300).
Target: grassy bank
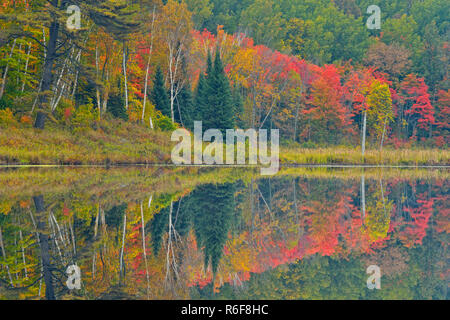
(347,156)
(117,142)
(113,142)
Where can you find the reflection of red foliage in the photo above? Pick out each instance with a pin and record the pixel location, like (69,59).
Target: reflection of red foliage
(416,229)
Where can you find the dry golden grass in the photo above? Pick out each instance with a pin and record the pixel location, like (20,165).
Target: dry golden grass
(117,142)
(369,173)
(347,156)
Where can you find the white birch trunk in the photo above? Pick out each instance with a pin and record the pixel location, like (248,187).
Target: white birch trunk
(145,250)
(363,144)
(2,246)
(148,70)
(97,89)
(5,74)
(124,67)
(123,242)
(384,133)
(26,67)
(363,197)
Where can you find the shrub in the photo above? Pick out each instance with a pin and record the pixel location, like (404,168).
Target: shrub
(27,120)
(164,123)
(7,118)
(84,117)
(134,111)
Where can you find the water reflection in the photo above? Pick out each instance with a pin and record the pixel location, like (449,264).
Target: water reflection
(289,237)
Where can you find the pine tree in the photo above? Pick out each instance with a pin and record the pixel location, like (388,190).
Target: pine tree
(159,94)
(185,106)
(238,105)
(209,67)
(219,113)
(116,107)
(201,99)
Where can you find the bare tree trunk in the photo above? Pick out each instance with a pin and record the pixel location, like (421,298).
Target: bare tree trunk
(147,70)
(123,243)
(363,145)
(145,250)
(47,75)
(23,253)
(40,82)
(97,88)
(5,74)
(2,246)
(296,121)
(175,88)
(171,263)
(95,238)
(363,197)
(45,249)
(26,67)
(384,133)
(382,197)
(124,67)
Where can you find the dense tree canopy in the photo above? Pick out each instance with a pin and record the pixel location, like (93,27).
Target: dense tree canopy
(292,65)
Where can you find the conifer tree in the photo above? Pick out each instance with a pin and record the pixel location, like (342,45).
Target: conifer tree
(201,99)
(219,112)
(159,94)
(209,66)
(184,112)
(238,105)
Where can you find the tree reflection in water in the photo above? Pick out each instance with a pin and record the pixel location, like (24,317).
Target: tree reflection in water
(287,237)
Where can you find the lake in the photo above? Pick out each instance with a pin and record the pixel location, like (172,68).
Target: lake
(203,233)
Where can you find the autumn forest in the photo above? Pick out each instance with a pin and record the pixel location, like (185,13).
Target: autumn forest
(93,207)
(132,70)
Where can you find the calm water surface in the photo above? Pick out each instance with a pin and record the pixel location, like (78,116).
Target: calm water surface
(287,237)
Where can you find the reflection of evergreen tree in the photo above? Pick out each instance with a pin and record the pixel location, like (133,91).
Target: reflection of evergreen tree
(114,217)
(158,227)
(211,208)
(181,218)
(431,260)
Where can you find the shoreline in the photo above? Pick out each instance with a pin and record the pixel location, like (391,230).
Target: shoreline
(163,165)
(123,144)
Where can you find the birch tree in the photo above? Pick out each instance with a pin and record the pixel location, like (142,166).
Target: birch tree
(147,69)
(175,27)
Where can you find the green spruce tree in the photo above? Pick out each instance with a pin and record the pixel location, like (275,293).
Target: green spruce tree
(159,95)
(184,107)
(201,99)
(220,111)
